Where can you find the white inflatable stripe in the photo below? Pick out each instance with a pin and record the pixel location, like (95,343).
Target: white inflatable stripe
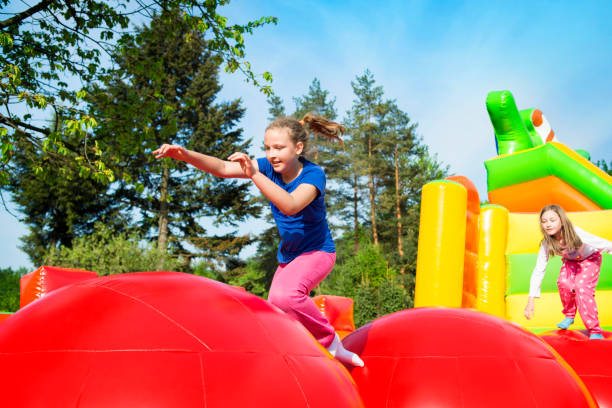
(544,130)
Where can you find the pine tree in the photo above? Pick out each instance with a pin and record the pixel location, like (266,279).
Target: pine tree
(405,167)
(602,164)
(390,161)
(276,108)
(364,129)
(164,91)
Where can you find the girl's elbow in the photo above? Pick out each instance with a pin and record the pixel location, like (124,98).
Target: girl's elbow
(288,212)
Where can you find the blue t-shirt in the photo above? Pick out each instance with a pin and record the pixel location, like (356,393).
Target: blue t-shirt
(307,230)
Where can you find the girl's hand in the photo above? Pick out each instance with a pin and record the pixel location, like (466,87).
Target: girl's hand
(172,151)
(245,163)
(529,309)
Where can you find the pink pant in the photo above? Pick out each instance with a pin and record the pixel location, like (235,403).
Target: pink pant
(577,282)
(291,288)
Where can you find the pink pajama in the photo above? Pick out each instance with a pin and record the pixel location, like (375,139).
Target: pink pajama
(577,282)
(291,288)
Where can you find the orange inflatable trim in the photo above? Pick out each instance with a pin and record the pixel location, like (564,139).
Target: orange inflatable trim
(533,195)
(45,279)
(471,241)
(339,312)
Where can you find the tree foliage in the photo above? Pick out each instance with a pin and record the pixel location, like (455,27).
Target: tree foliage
(365,162)
(58,204)
(367,276)
(605,166)
(49,47)
(108,253)
(9,288)
(256,275)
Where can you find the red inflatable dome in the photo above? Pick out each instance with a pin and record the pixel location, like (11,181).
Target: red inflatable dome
(163,339)
(590,359)
(438,357)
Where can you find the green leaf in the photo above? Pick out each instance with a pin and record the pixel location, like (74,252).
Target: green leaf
(90,122)
(6,39)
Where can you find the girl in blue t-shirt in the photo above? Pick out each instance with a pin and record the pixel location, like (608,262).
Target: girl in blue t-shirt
(296,190)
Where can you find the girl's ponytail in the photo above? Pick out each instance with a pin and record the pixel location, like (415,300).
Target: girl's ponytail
(323,127)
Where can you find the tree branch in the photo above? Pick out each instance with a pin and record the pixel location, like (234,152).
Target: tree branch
(15,124)
(17,19)
(6,207)
(80,33)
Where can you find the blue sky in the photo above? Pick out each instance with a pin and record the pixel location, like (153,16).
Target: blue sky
(438,60)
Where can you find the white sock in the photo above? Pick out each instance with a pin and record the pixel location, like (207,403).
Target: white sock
(337,350)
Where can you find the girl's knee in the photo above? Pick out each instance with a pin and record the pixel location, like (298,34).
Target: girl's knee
(285,300)
(278,299)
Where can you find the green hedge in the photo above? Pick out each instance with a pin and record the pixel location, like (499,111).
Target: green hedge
(9,288)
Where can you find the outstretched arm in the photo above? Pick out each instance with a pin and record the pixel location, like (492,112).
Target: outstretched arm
(288,203)
(209,164)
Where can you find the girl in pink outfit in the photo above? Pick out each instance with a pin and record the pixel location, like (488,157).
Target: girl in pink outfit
(580,253)
(296,190)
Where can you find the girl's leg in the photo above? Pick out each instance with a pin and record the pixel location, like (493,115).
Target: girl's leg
(565,283)
(291,288)
(586,282)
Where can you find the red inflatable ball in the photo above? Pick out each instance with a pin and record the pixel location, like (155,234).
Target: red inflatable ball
(163,339)
(590,359)
(442,357)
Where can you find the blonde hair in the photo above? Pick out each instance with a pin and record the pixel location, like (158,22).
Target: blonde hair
(572,240)
(316,124)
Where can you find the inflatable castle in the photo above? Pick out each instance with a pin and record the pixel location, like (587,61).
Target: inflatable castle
(169,339)
(481,256)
